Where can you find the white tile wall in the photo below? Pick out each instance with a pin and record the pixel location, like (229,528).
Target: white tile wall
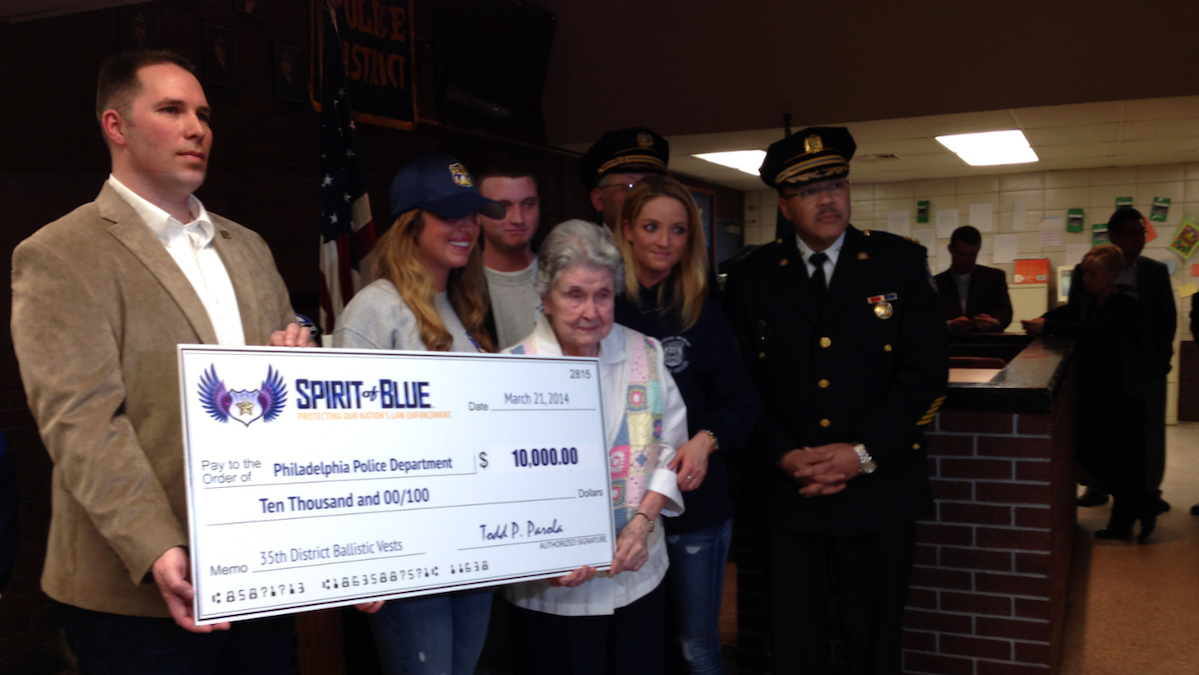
(1043,194)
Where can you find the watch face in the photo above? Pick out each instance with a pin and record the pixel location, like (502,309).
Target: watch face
(869,467)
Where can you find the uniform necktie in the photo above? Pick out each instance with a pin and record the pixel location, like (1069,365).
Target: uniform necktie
(819,284)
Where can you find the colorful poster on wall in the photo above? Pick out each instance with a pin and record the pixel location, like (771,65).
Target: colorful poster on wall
(377,53)
(1074,220)
(1124,202)
(1031,271)
(1099,234)
(1186,240)
(1161,209)
(922,211)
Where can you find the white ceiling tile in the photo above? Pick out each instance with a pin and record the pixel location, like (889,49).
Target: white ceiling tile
(1080,114)
(1073,152)
(903,147)
(1179,107)
(1087,133)
(964,123)
(1158,129)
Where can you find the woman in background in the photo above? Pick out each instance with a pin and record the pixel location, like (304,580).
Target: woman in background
(429,294)
(1111,397)
(665,296)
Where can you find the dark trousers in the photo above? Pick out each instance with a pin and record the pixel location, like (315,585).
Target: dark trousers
(1113,451)
(1155,434)
(874,572)
(114,644)
(629,642)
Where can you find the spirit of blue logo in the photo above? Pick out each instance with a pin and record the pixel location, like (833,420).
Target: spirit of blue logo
(243,405)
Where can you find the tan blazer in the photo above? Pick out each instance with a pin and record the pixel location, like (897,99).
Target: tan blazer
(98,307)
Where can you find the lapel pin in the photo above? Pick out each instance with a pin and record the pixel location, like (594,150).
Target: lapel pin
(863,256)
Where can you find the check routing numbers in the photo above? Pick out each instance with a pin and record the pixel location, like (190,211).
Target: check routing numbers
(320,478)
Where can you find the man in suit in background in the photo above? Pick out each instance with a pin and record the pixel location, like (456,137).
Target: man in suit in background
(976,297)
(845,338)
(1151,280)
(101,299)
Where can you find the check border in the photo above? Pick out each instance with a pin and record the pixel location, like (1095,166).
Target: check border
(259,611)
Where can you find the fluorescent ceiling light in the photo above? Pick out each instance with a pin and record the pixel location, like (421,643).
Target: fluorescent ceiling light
(741,160)
(991,147)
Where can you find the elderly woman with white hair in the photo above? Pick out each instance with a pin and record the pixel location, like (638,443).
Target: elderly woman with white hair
(611,622)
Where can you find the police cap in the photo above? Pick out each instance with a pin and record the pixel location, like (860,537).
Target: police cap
(636,150)
(812,155)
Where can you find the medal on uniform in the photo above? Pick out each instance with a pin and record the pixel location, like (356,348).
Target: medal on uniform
(883,308)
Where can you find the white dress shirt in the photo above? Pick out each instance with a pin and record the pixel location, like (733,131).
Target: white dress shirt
(829,265)
(191,247)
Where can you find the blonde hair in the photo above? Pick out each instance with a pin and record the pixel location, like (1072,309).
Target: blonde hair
(401,262)
(1108,255)
(690,274)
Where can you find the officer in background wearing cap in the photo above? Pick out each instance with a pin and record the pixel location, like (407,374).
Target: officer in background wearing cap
(845,337)
(614,164)
(429,294)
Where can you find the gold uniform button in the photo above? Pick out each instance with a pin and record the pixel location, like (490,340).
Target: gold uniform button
(783,262)
(915,446)
(778,241)
(826,422)
(823,384)
(761,355)
(886,348)
(825,342)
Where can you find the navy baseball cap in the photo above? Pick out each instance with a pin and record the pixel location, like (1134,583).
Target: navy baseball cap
(439,184)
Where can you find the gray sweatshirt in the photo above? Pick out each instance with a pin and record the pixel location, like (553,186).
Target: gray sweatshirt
(378,318)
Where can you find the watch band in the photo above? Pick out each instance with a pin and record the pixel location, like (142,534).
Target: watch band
(866,463)
(712,437)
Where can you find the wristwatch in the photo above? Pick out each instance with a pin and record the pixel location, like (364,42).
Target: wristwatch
(866,463)
(712,436)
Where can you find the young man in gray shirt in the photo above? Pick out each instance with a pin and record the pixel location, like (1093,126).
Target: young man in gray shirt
(508,258)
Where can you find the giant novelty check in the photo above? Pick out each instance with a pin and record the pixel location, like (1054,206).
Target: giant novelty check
(319,478)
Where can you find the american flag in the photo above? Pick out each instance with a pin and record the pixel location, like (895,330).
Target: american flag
(347,229)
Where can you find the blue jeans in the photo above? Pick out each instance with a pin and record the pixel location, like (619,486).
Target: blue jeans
(695,582)
(439,635)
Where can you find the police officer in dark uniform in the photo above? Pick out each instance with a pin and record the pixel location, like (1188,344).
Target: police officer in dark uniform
(614,164)
(845,337)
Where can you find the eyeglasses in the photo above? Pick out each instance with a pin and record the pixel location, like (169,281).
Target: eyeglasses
(834,188)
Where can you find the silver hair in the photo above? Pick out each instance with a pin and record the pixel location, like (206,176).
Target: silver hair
(576,243)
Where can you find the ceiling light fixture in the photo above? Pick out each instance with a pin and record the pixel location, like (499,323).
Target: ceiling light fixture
(991,147)
(741,160)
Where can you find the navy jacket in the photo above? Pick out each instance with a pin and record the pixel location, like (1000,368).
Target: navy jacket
(844,374)
(705,365)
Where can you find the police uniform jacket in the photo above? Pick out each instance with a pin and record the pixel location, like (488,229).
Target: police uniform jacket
(844,374)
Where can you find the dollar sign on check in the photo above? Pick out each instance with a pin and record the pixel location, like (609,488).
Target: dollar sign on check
(483,459)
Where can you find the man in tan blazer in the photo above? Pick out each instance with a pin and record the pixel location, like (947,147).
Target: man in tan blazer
(101,298)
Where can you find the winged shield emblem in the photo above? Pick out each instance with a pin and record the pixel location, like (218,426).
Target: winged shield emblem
(243,405)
